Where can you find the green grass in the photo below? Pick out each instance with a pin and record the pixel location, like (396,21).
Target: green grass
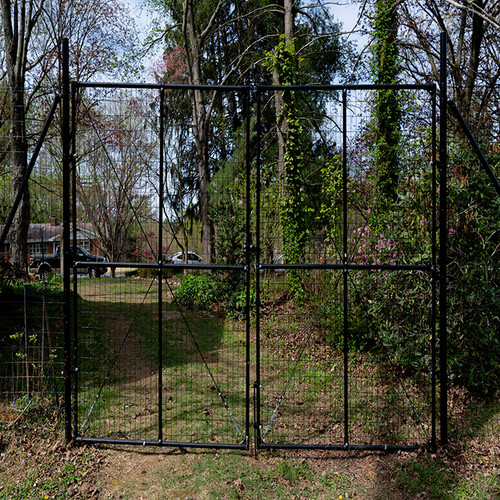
(118,346)
(231,476)
(436,480)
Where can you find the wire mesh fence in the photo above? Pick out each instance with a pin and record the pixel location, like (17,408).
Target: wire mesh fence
(348,315)
(204,264)
(31,327)
(172,365)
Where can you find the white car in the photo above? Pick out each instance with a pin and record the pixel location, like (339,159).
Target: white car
(176,258)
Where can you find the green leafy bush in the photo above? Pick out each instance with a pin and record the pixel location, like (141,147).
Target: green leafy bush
(213,291)
(390,312)
(196,292)
(473,276)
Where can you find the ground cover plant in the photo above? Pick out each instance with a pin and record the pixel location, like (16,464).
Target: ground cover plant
(36,463)
(31,331)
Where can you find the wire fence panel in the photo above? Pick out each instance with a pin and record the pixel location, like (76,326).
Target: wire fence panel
(347,283)
(161,357)
(31,312)
(293,231)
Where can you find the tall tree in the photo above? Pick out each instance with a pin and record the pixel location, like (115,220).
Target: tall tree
(473,47)
(19,18)
(387,114)
(117,150)
(194,37)
(225,42)
(32,32)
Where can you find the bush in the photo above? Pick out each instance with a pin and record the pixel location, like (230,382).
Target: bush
(473,277)
(195,292)
(211,291)
(389,312)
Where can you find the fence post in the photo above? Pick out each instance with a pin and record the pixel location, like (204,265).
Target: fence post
(443,256)
(65,235)
(345,261)
(160,269)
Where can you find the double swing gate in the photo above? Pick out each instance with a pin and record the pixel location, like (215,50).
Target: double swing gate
(310,324)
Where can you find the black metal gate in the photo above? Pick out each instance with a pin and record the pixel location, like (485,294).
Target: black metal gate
(151,366)
(350,368)
(336,337)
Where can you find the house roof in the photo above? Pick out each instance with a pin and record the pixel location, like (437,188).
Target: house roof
(48,232)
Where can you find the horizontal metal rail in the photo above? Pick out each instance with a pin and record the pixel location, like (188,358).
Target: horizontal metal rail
(346,447)
(423,86)
(160,86)
(261,88)
(174,444)
(152,265)
(351,267)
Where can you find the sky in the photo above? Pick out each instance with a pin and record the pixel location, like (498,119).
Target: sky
(343,10)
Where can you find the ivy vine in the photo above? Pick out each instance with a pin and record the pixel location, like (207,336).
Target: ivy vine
(294,209)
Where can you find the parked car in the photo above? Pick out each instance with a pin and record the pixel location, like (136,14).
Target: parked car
(192,259)
(43,265)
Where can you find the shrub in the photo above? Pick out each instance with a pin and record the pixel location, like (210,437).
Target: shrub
(196,292)
(211,291)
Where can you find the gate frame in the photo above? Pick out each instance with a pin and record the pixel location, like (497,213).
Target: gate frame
(71,341)
(439,272)
(433,270)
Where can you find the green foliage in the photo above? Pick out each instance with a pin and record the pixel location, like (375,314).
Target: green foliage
(390,313)
(386,113)
(211,291)
(196,292)
(295,210)
(227,210)
(473,275)
(237,301)
(330,214)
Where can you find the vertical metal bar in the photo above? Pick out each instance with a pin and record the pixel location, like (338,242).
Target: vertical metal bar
(257,385)
(26,352)
(75,274)
(65,230)
(443,257)
(345,271)
(248,270)
(160,272)
(434,275)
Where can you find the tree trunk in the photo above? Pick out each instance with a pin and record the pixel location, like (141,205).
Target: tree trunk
(193,46)
(17,24)
(281,108)
(18,235)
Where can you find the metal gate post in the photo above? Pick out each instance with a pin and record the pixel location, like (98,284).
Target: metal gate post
(345,270)
(65,243)
(257,424)
(443,257)
(248,263)
(434,272)
(160,271)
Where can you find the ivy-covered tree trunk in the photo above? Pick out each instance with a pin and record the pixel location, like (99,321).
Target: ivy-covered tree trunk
(283,62)
(387,112)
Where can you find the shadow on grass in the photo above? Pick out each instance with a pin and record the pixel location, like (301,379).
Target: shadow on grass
(121,348)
